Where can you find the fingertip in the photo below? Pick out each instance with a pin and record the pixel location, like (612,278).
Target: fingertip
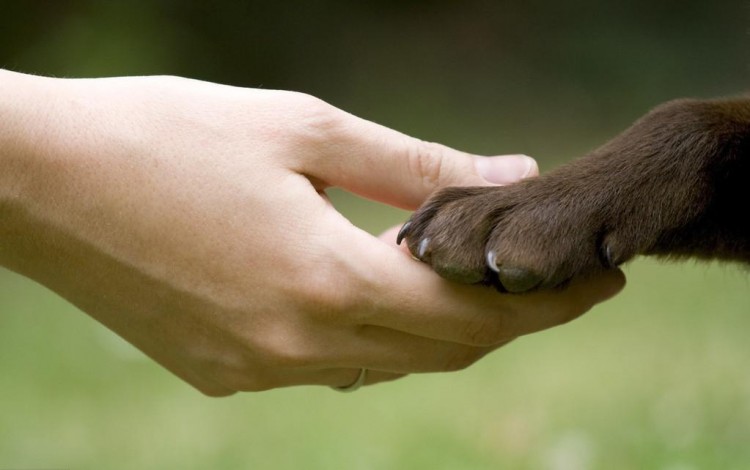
(614,283)
(586,292)
(603,286)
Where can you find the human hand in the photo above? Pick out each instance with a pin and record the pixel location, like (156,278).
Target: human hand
(190,218)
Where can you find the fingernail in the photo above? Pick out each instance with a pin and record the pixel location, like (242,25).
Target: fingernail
(505,169)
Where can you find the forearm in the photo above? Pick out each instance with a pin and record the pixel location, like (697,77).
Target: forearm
(23,135)
(68,172)
(19,113)
(44,156)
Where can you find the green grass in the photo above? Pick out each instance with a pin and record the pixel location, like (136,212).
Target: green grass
(656,378)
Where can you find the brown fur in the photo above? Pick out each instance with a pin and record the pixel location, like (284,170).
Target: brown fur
(676,183)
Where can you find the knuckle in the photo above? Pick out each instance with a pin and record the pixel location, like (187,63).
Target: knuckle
(426,161)
(292,355)
(306,101)
(317,120)
(326,297)
(282,351)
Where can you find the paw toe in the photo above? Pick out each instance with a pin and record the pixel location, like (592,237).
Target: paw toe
(518,280)
(459,272)
(617,248)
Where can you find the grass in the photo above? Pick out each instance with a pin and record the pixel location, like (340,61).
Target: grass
(656,378)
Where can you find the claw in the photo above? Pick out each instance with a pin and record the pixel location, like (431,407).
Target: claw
(403,232)
(423,245)
(609,257)
(492,261)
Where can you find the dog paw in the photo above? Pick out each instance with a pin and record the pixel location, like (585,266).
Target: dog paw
(519,238)
(662,187)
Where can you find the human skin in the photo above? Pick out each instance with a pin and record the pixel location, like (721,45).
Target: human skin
(191,219)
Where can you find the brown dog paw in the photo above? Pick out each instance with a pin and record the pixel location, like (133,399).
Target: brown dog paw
(519,238)
(666,186)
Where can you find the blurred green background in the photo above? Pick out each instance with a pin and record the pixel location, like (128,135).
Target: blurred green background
(657,378)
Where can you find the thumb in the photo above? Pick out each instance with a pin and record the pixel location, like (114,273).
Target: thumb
(382,164)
